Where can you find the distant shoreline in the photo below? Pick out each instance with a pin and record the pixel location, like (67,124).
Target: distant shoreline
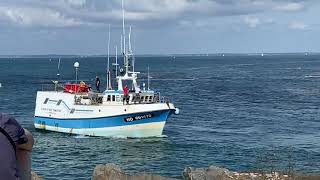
(156,55)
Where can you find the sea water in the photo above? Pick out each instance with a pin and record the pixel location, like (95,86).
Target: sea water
(242,112)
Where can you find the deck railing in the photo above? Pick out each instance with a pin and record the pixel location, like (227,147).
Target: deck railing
(136,98)
(52,87)
(155,98)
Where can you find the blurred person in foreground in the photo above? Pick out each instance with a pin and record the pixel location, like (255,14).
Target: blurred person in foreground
(15,150)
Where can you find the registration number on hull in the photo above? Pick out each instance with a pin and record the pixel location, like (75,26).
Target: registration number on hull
(138,117)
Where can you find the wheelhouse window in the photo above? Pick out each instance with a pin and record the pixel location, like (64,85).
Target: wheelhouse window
(117,98)
(113,98)
(109,98)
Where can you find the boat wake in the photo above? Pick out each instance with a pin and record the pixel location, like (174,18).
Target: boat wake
(141,138)
(162,136)
(184,79)
(119,137)
(80,136)
(312,76)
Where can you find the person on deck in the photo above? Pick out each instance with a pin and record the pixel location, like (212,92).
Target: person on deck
(97,83)
(15,150)
(126,94)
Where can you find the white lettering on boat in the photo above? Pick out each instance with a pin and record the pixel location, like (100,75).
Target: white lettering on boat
(138,117)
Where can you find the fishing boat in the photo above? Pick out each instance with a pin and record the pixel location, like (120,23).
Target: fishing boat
(75,109)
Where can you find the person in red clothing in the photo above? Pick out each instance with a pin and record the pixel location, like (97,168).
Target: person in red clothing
(126,94)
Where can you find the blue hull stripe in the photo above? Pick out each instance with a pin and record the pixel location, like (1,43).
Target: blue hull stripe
(156,116)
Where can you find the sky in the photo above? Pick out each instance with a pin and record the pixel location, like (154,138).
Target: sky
(37,27)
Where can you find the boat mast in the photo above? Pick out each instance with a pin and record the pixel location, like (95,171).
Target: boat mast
(121,45)
(58,73)
(148,79)
(108,66)
(125,55)
(130,50)
(76,65)
(123,31)
(116,63)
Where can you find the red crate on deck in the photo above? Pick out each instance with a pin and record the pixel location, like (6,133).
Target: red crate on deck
(75,88)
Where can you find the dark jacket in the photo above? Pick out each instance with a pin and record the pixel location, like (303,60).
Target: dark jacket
(11,134)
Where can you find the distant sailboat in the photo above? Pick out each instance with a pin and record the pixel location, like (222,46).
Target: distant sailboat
(262,54)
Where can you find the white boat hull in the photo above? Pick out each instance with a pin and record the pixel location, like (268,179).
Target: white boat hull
(55,111)
(136,131)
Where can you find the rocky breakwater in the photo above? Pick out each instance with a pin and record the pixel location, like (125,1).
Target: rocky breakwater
(113,172)
(216,173)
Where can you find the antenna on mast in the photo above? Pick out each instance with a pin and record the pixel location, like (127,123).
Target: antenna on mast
(123,31)
(121,45)
(125,55)
(116,63)
(108,66)
(148,79)
(130,50)
(58,75)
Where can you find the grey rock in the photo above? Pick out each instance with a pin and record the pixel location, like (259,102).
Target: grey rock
(211,173)
(34,176)
(113,172)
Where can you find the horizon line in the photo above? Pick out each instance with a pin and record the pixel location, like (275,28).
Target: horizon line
(160,54)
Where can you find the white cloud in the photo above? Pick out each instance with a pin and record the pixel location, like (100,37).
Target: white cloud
(298,25)
(292,6)
(253,22)
(36,17)
(96,12)
(76,2)
(194,24)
